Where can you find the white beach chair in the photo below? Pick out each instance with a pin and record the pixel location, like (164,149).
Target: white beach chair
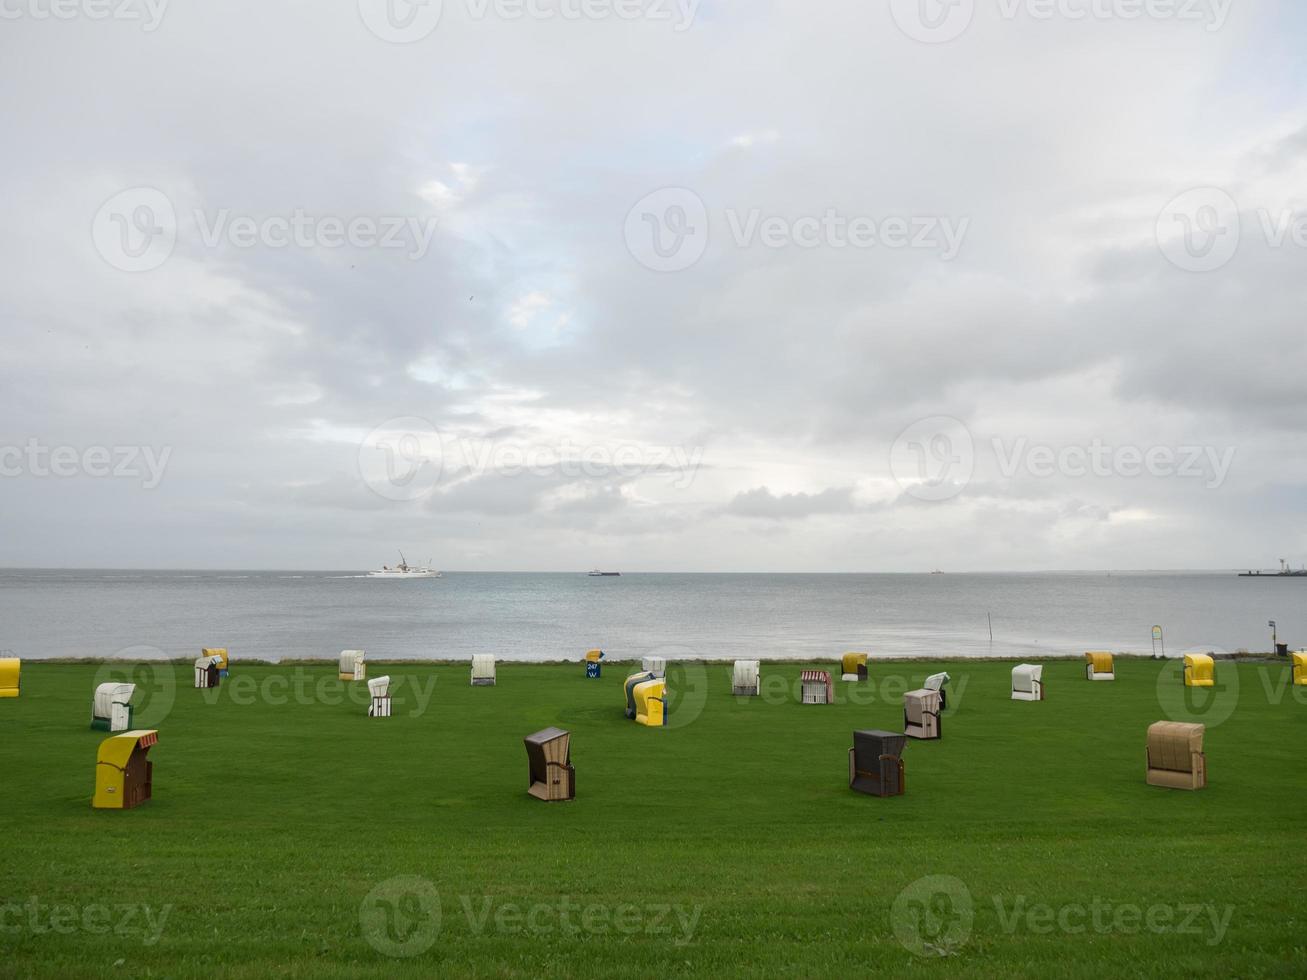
(206,671)
(1027,682)
(483,670)
(655,665)
(937,682)
(745,682)
(353,666)
(379,688)
(112,710)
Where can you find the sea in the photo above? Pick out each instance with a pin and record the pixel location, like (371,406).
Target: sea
(275,616)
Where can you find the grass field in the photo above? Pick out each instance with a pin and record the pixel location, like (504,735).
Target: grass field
(290,835)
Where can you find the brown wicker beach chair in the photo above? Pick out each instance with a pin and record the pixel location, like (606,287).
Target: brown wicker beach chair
(548,754)
(876,764)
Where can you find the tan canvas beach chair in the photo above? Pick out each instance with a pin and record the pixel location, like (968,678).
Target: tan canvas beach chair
(876,763)
(921,714)
(483,670)
(550,775)
(353,666)
(1175,755)
(744,683)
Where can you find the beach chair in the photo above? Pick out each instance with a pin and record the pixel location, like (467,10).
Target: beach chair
(1199,670)
(221,654)
(593,668)
(1175,755)
(655,665)
(921,714)
(651,702)
(745,681)
(111,710)
(379,689)
(629,687)
(853,667)
(207,671)
(815,687)
(550,775)
(124,777)
(1099,666)
(937,682)
(353,665)
(10,668)
(1300,668)
(876,763)
(1028,682)
(483,670)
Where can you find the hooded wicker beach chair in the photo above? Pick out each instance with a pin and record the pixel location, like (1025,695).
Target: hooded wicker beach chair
(1199,670)
(112,708)
(10,669)
(207,671)
(1175,755)
(921,714)
(353,665)
(124,777)
(1099,666)
(379,689)
(853,667)
(655,665)
(550,775)
(876,763)
(221,654)
(1300,668)
(651,702)
(1028,682)
(937,682)
(483,670)
(745,680)
(632,682)
(815,687)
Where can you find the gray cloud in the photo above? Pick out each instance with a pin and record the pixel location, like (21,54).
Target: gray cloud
(528,323)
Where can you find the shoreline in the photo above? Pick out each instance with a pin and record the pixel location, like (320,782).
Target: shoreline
(1240,655)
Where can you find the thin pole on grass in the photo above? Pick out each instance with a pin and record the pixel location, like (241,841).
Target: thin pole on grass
(990,619)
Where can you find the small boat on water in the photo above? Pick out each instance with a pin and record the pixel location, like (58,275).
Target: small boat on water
(405,571)
(595,573)
(1284,572)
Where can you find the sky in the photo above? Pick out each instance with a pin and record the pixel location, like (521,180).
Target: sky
(735,285)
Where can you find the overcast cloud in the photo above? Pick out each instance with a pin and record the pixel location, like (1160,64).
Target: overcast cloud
(735,285)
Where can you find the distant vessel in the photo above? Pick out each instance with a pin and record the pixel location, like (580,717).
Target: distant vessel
(1284,572)
(405,570)
(595,573)
(938,571)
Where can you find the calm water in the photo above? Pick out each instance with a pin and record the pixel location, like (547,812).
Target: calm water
(530,616)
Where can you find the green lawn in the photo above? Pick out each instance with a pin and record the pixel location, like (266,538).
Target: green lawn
(291,835)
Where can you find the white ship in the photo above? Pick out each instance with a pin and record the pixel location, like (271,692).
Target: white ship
(405,570)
